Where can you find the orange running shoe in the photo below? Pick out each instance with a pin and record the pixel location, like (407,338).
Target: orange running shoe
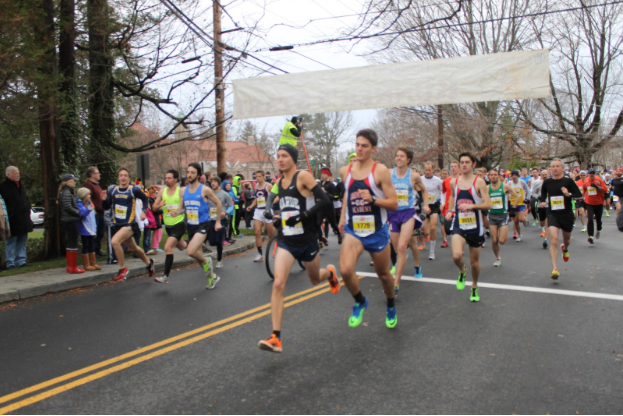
(565,253)
(428,238)
(333,282)
(422,246)
(542,234)
(272,344)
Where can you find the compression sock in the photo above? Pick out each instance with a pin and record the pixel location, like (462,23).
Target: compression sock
(359,298)
(168,263)
(390,302)
(432,246)
(277,334)
(259,250)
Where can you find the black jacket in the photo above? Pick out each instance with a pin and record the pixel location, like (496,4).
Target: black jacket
(18,207)
(68,205)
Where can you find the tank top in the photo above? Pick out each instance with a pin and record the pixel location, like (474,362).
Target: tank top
(172,203)
(363,217)
(197,210)
(433,187)
(498,200)
(404,190)
(518,188)
(292,203)
(261,194)
(124,205)
(469,222)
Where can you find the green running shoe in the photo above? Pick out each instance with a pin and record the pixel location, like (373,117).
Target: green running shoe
(391,318)
(396,290)
(474,295)
(355,319)
(393,270)
(212,281)
(207,267)
(460,283)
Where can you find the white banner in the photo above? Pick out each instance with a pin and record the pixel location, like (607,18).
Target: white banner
(495,77)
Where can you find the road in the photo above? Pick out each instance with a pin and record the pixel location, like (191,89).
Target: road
(531,345)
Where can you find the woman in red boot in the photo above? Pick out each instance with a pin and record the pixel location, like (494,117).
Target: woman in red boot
(70,215)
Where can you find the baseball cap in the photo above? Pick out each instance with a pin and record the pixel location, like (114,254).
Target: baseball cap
(515,172)
(591,170)
(68,177)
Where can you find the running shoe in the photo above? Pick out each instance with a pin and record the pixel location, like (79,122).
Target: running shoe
(518,240)
(218,265)
(526,223)
(555,274)
(325,241)
(272,344)
(371,263)
(497,262)
(474,297)
(584,229)
(597,234)
(226,243)
(123,274)
(159,250)
(212,281)
(565,253)
(391,319)
(151,252)
(534,223)
(428,238)
(162,279)
(422,246)
(487,233)
(444,244)
(320,245)
(333,282)
(396,290)
(545,244)
(607,213)
(258,258)
(590,240)
(514,236)
(151,269)
(418,272)
(542,234)
(355,319)
(431,256)
(460,282)
(392,271)
(207,267)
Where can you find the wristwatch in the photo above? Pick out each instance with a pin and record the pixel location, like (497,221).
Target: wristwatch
(373,199)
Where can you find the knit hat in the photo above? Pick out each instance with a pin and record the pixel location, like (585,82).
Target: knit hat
(292,151)
(83,192)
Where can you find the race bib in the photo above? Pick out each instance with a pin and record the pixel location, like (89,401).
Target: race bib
(261,202)
(557,202)
(192,216)
(592,191)
(213,213)
(297,229)
(168,209)
(363,225)
(496,202)
(431,199)
(467,220)
(403,197)
(615,198)
(121,212)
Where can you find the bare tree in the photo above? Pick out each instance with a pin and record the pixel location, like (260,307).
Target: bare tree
(324,133)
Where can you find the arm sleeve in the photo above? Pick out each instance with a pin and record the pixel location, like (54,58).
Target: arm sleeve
(295,131)
(322,201)
(269,200)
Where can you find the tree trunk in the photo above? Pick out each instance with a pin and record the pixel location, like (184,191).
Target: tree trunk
(101,101)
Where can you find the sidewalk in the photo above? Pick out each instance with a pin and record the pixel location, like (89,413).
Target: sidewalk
(28,285)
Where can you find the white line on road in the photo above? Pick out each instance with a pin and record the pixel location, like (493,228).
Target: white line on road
(510,287)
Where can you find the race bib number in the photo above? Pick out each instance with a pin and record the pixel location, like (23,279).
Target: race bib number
(431,199)
(363,225)
(403,197)
(192,216)
(289,231)
(592,191)
(557,202)
(261,202)
(615,198)
(467,220)
(496,202)
(121,212)
(169,209)
(213,213)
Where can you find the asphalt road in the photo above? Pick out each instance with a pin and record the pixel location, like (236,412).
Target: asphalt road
(526,347)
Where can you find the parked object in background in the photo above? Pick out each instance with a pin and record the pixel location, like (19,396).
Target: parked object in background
(37,215)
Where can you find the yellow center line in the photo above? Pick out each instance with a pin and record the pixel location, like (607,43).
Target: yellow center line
(139,351)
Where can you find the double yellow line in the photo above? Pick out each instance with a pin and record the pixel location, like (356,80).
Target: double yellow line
(153,351)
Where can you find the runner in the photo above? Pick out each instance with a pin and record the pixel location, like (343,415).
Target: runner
(300,199)
(606,203)
(594,189)
(533,195)
(122,200)
(169,200)
(498,215)
(445,189)
(556,194)
(433,185)
(469,197)
(259,203)
(617,189)
(403,221)
(216,237)
(519,215)
(368,194)
(326,182)
(194,198)
(580,206)
(542,212)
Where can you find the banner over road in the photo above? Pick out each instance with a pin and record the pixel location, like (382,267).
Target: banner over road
(494,77)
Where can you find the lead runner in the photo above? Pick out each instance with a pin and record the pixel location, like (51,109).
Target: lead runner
(368,195)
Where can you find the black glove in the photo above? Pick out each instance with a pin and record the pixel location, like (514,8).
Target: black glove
(295,219)
(268,214)
(512,212)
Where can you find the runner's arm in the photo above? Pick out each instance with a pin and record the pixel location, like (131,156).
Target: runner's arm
(207,193)
(450,201)
(384,179)
(322,199)
(342,220)
(107,203)
(159,203)
(509,190)
(574,190)
(180,210)
(483,189)
(417,183)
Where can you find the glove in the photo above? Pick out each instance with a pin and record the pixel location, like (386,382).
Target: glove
(292,221)
(268,214)
(512,212)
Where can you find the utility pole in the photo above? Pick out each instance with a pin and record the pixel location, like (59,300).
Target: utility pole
(221,151)
(440,136)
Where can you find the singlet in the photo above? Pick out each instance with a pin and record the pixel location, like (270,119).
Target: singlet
(404,190)
(172,203)
(617,189)
(292,203)
(519,189)
(124,205)
(469,222)
(197,209)
(498,200)
(261,194)
(433,186)
(363,217)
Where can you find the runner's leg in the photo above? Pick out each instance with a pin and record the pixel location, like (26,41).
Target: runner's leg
(494,229)
(458,243)
(283,264)
(433,233)
(120,236)
(474,261)
(553,245)
(400,241)
(382,264)
(349,254)
(195,249)
(136,249)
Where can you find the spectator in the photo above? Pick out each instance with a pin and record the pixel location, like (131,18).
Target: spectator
(87,228)
(92,184)
(229,233)
(18,209)
(240,211)
(70,216)
(5,229)
(248,200)
(157,232)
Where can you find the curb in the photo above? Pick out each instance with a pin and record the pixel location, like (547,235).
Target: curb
(74,281)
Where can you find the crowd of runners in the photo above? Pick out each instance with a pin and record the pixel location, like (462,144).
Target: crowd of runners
(370,207)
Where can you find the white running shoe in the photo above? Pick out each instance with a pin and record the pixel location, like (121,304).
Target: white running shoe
(597,234)
(518,239)
(258,258)
(497,263)
(162,279)
(431,256)
(218,265)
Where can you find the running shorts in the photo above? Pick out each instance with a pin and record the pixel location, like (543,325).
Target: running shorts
(258,215)
(542,214)
(471,240)
(306,253)
(397,218)
(564,222)
(434,208)
(498,220)
(521,208)
(374,243)
(135,229)
(199,228)
(217,237)
(176,231)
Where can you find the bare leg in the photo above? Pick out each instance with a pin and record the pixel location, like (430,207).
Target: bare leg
(400,241)
(350,251)
(283,264)
(553,245)
(195,250)
(458,243)
(382,263)
(493,229)
(474,261)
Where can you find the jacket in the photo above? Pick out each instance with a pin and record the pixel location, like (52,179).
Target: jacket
(594,195)
(68,206)
(87,226)
(18,207)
